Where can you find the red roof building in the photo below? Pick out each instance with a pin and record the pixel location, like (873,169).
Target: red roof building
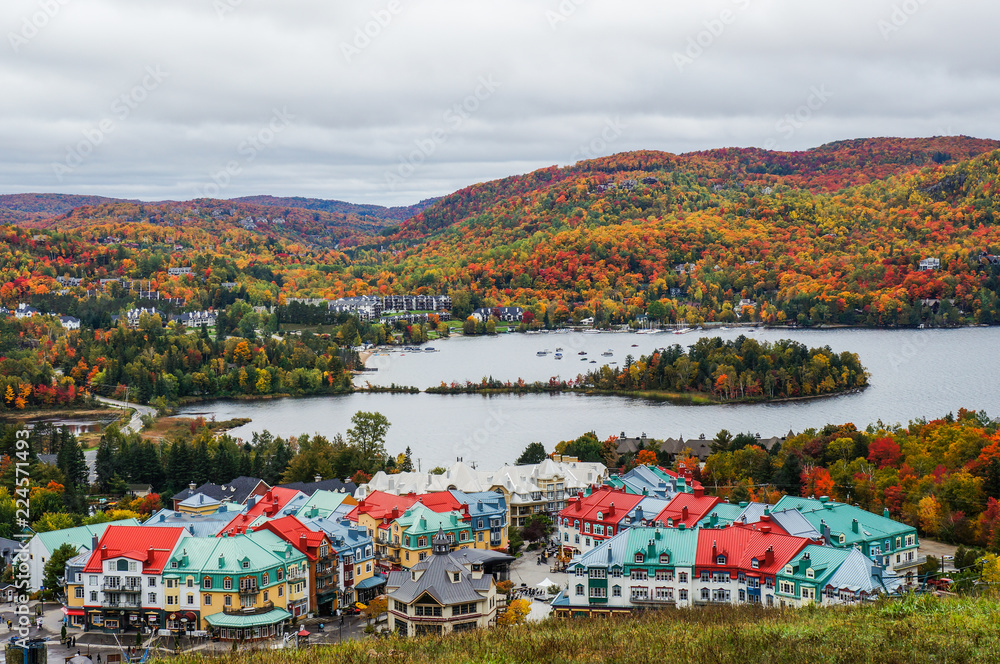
(687,508)
(587,521)
(322,558)
(149,546)
(742,558)
(265,507)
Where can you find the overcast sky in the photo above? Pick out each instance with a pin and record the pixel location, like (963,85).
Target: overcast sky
(393,101)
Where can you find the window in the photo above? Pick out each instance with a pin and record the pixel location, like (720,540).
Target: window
(810,574)
(208,600)
(616,591)
(639,575)
(463,536)
(786,588)
(78,592)
(664,558)
(616,572)
(599,593)
(683,595)
(808,593)
(246,564)
(228,601)
(640,593)
(93,595)
(665,594)
(152,598)
(281,571)
(171,600)
(419,558)
(598,529)
(173,564)
(755,563)
(480,524)
(743,595)
(190,582)
(683,577)
(600,516)
(720,560)
(206,583)
(598,573)
(910,539)
(463,609)
(421,541)
(93,580)
(152,582)
(456,577)
(579,590)
(576,539)
(266,596)
(587,541)
(122,565)
(190,600)
(705,594)
(664,575)
(267,579)
(611,531)
(639,558)
(431,611)
(704,576)
(586,527)
(227,583)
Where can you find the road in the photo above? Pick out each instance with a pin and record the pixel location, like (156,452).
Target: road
(135,424)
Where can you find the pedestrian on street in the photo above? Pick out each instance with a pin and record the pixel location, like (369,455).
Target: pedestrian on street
(98,658)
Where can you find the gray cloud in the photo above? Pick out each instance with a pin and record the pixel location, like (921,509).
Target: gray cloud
(388,102)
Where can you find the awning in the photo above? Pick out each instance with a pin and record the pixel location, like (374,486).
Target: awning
(225,620)
(72,612)
(370,582)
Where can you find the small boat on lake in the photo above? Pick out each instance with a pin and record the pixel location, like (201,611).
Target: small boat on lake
(607,353)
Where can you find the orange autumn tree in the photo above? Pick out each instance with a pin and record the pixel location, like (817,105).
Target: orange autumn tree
(645,458)
(817,482)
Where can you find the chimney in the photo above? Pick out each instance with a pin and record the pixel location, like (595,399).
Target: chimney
(93,540)
(104,552)
(715,550)
(684,513)
(192,486)
(611,508)
(699,492)
(825,531)
(252,500)
(769,556)
(765,529)
(318,478)
(149,556)
(885,512)
(765,518)
(854,525)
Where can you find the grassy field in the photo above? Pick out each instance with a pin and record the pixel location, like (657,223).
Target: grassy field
(909,631)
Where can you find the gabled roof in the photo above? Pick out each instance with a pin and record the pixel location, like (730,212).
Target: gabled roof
(236,491)
(421,519)
(81,536)
(297,534)
(151,546)
(333,485)
(380,505)
(344,535)
(611,504)
(324,503)
(742,546)
(688,508)
(680,544)
(839,517)
(197,525)
(481,503)
(265,507)
(722,514)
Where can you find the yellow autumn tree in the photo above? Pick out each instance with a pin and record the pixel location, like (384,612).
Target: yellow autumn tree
(929,512)
(516,613)
(990,575)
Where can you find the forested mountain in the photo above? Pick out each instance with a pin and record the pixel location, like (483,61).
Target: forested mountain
(400,213)
(833,235)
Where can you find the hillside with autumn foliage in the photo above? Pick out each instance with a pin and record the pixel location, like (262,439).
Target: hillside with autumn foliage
(833,235)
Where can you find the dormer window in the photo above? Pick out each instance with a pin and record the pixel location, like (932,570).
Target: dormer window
(788,569)
(639,558)
(720,560)
(455,577)
(755,564)
(810,574)
(246,564)
(600,516)
(664,558)
(173,564)
(842,539)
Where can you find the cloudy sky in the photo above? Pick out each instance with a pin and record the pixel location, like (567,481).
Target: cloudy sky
(393,101)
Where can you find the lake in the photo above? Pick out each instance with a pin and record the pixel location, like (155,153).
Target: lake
(914,373)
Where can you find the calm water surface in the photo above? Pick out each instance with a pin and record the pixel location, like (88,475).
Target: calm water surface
(915,373)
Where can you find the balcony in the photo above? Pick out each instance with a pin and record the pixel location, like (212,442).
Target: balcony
(127,602)
(264,607)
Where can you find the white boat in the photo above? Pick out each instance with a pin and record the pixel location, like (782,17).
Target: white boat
(607,353)
(542,352)
(558,356)
(683,330)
